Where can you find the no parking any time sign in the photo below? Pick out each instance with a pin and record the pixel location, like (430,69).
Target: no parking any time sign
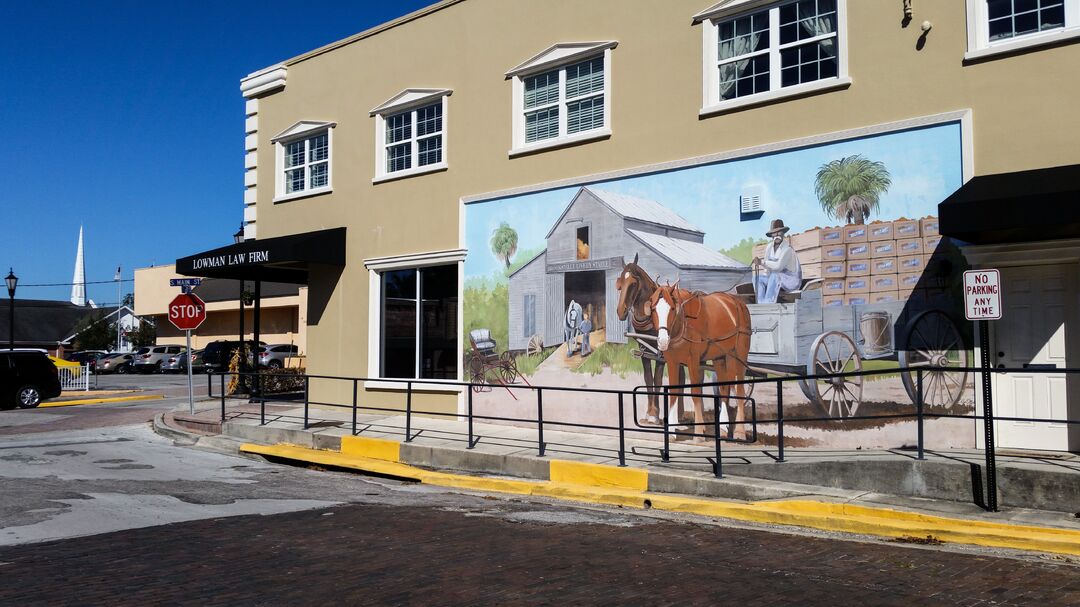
(982,294)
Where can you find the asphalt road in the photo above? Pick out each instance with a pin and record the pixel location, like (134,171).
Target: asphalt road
(116,514)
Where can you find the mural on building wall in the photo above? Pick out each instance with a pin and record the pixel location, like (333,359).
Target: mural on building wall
(813,260)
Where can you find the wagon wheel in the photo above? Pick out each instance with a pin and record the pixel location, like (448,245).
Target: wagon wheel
(834,352)
(934,341)
(535,346)
(475,366)
(506,373)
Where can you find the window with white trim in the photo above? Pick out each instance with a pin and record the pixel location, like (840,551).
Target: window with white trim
(410,133)
(562,95)
(772,51)
(303,158)
(1003,25)
(419,334)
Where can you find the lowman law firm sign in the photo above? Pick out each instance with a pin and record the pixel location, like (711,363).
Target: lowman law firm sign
(982,294)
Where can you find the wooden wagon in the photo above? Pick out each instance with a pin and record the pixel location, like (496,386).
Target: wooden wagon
(802,337)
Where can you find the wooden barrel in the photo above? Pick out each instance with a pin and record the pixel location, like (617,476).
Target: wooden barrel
(876,334)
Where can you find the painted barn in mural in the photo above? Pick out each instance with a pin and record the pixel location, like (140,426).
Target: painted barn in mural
(585,251)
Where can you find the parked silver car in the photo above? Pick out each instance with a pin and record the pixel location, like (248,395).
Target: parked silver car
(273,355)
(181,361)
(155,358)
(117,362)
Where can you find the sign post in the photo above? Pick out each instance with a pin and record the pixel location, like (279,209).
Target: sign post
(186,312)
(982,302)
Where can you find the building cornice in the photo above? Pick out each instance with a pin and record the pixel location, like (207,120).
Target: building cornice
(263,82)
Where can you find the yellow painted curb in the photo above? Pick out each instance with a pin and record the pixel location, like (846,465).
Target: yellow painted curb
(846,518)
(374,448)
(598,475)
(97,401)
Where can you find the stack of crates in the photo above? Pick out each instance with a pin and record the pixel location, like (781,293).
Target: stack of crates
(878,262)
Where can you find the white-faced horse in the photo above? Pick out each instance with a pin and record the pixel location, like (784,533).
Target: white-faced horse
(572,326)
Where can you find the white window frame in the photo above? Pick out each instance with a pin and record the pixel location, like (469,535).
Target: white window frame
(710,20)
(409,100)
(376,266)
(978,32)
(302,130)
(559,57)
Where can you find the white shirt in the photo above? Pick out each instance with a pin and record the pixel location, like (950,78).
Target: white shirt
(782,258)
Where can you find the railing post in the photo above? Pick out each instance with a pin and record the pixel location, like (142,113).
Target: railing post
(540,420)
(665,455)
(354,387)
(262,401)
(408,411)
(622,433)
(919,408)
(779,421)
(222,397)
(307,385)
(469,401)
(718,470)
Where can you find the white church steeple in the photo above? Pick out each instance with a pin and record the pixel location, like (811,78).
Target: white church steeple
(78,282)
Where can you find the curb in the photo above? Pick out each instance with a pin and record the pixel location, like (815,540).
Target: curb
(97,401)
(610,485)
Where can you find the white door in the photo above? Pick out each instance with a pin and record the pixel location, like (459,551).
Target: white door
(1031,333)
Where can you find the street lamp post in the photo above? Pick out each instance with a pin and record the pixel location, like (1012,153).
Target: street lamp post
(12,281)
(238,238)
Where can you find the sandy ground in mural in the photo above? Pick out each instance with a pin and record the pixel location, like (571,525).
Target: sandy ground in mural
(883,396)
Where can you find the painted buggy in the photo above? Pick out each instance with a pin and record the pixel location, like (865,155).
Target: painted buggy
(485,365)
(804,337)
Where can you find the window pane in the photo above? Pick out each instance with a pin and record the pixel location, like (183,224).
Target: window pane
(294,180)
(1010,18)
(429,151)
(318,148)
(542,124)
(529,313)
(807,19)
(744,35)
(584,78)
(541,89)
(429,120)
(320,175)
(808,62)
(585,115)
(746,77)
(439,334)
(398,157)
(399,127)
(294,153)
(398,354)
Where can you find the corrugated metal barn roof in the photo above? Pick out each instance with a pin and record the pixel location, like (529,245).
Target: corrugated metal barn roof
(686,253)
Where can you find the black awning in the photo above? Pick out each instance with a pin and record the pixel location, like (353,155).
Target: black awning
(281,259)
(1043,204)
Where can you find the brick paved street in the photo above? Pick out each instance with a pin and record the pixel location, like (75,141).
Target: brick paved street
(505,552)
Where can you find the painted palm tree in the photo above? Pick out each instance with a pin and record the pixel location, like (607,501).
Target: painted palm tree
(850,188)
(504,242)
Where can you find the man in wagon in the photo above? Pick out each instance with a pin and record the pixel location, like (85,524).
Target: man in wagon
(780,269)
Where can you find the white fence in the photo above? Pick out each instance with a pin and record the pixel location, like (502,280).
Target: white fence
(75,378)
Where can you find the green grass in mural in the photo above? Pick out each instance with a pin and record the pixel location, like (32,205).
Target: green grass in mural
(485,308)
(743,251)
(528,363)
(617,357)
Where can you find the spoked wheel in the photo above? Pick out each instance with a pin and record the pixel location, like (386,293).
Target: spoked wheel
(475,367)
(506,372)
(831,353)
(934,341)
(27,397)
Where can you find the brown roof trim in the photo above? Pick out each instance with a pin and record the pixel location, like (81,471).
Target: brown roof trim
(427,10)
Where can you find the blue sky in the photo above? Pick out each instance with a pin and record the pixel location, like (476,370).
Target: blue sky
(126,117)
(925,164)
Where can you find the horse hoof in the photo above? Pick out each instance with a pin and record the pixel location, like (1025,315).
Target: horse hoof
(651,420)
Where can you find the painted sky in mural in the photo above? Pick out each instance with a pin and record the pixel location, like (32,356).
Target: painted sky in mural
(925,165)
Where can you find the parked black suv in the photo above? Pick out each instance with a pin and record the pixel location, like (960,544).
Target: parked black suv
(26,379)
(217,354)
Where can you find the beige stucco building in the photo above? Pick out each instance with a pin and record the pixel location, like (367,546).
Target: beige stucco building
(392,133)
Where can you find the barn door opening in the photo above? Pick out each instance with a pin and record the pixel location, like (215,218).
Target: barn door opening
(587,289)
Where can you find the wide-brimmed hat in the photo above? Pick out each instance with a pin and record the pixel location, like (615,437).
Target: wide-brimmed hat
(777,226)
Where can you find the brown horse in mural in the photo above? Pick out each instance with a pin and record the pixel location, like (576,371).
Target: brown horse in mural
(636,288)
(695,328)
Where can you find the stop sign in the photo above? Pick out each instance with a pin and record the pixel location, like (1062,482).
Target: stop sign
(187,311)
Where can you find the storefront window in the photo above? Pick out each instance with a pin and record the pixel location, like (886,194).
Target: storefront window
(420,341)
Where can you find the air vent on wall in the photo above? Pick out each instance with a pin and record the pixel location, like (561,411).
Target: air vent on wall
(751,202)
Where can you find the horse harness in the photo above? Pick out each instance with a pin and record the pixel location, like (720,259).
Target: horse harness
(708,341)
